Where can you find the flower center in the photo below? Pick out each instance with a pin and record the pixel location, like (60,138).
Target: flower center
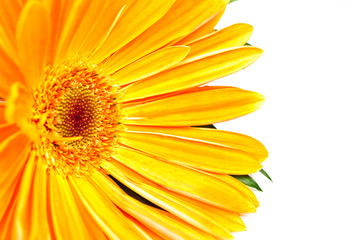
(78,114)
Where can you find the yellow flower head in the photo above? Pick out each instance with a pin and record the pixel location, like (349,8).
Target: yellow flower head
(98,103)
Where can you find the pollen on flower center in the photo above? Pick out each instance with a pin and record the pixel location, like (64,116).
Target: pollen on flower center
(78,114)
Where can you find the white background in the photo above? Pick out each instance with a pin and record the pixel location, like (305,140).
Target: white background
(310,123)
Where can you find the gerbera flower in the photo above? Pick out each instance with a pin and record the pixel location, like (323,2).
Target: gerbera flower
(101,94)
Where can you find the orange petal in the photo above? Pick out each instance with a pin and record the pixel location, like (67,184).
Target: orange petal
(157,220)
(20,226)
(151,64)
(233,36)
(114,224)
(95,27)
(186,181)
(2,113)
(14,152)
(190,151)
(32,36)
(6,130)
(68,222)
(183,18)
(39,203)
(72,22)
(9,14)
(202,30)
(131,24)
(205,105)
(195,73)
(9,73)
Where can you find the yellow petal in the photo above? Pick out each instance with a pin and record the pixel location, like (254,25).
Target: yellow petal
(95,27)
(183,18)
(202,30)
(114,224)
(195,73)
(66,219)
(192,211)
(174,203)
(157,220)
(205,105)
(190,152)
(238,185)
(131,24)
(233,36)
(211,136)
(151,64)
(146,232)
(9,74)
(186,181)
(32,35)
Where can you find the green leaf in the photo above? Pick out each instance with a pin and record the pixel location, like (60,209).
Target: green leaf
(232,1)
(248,180)
(247,44)
(265,174)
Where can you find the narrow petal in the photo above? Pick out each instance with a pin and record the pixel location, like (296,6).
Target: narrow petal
(39,203)
(205,105)
(9,74)
(95,27)
(151,64)
(238,185)
(131,24)
(14,152)
(73,19)
(186,181)
(174,203)
(191,152)
(158,220)
(227,139)
(233,36)
(67,222)
(202,30)
(9,14)
(183,18)
(2,113)
(22,214)
(32,36)
(146,232)
(195,73)
(114,224)
(6,130)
